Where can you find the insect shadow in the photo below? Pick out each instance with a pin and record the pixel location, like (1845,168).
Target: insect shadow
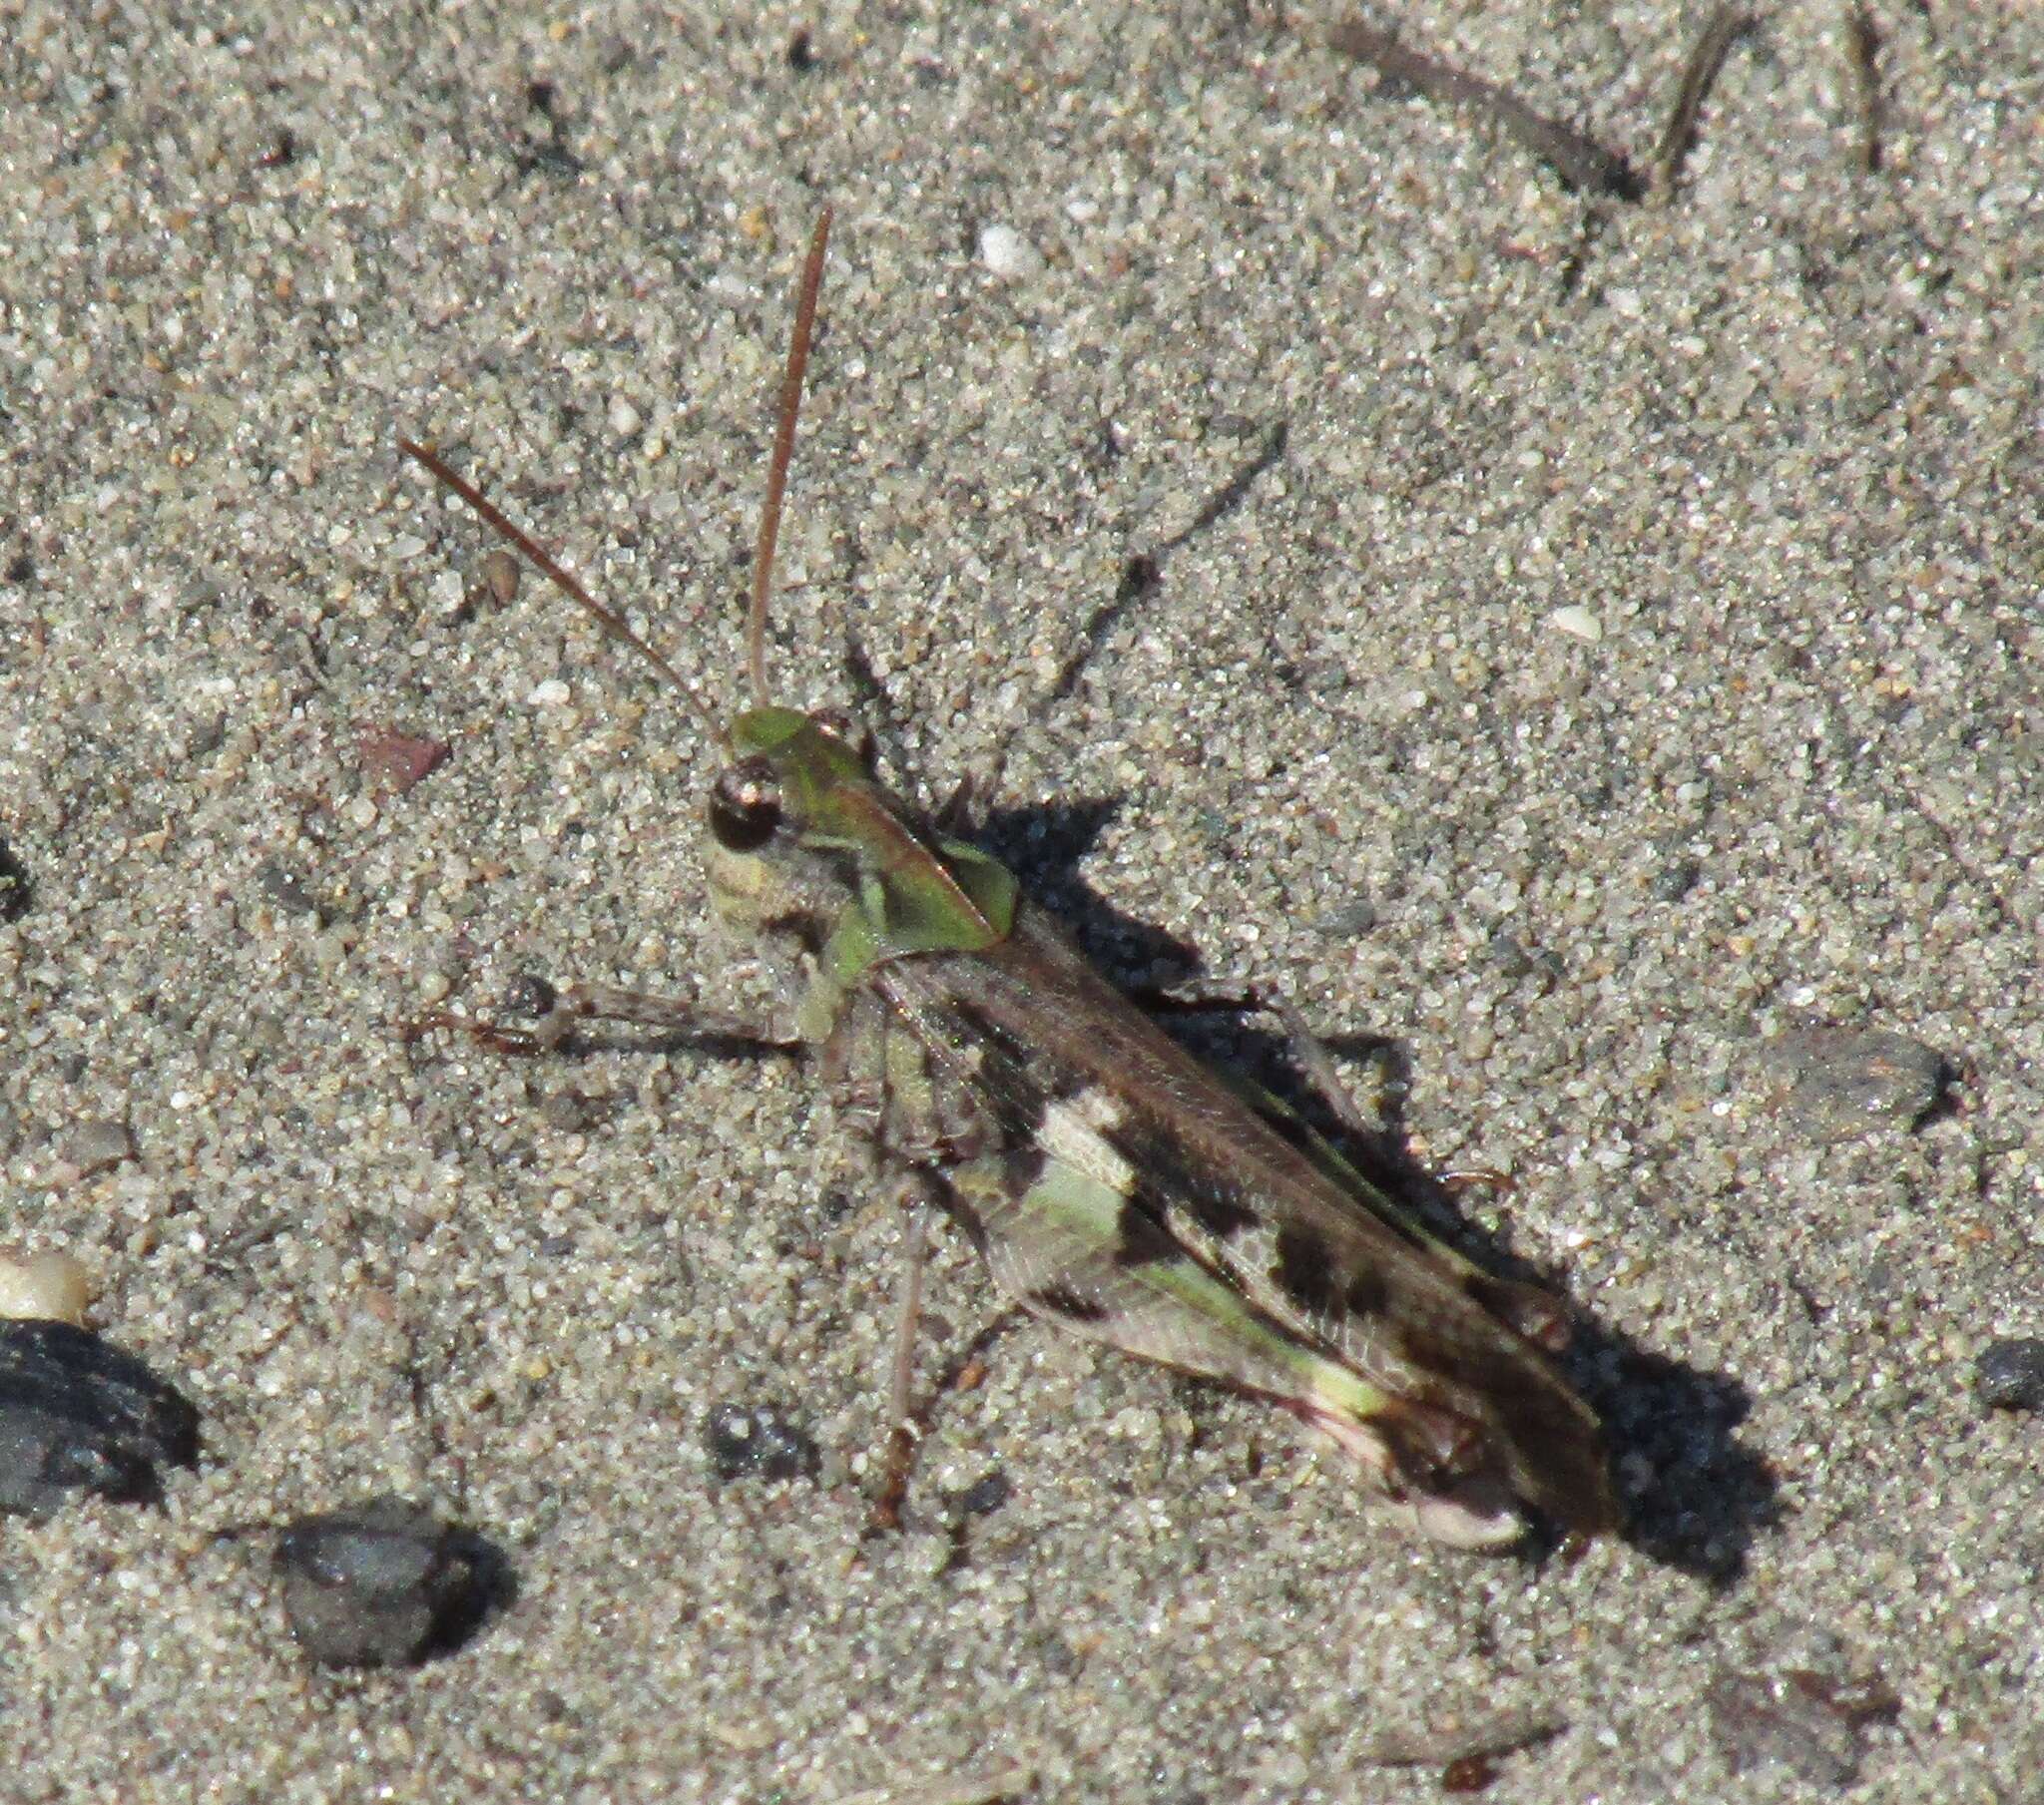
(1704,1498)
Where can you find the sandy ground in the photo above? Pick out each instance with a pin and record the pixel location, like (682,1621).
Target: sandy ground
(1579,642)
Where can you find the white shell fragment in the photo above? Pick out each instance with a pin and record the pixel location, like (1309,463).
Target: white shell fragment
(1577,622)
(1007,252)
(52,1288)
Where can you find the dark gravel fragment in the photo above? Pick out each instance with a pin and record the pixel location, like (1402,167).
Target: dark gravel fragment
(1813,1724)
(986,1495)
(757,1442)
(529,993)
(2009,1374)
(1349,920)
(1838,1083)
(385,1584)
(1677,879)
(93,1146)
(396,762)
(78,1415)
(14,885)
(288,890)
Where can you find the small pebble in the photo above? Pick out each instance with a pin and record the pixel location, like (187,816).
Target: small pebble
(1811,1723)
(396,760)
(1006,252)
(1842,1081)
(1508,953)
(501,573)
(79,1415)
(1349,920)
(529,993)
(1578,622)
(986,1495)
(569,1112)
(2009,1374)
(382,1584)
(1675,881)
(756,1442)
(287,890)
(14,885)
(91,1147)
(52,1288)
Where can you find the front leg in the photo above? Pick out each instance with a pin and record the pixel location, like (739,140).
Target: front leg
(916,1122)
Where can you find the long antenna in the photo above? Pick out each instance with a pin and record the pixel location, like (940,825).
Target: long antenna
(542,560)
(784,450)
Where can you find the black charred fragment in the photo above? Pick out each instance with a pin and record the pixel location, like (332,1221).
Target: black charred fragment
(14,884)
(753,1442)
(385,1584)
(986,1495)
(2009,1374)
(78,1415)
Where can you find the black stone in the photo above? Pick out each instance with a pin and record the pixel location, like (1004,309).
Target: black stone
(1840,1083)
(756,1442)
(986,1495)
(78,1415)
(383,1585)
(2009,1374)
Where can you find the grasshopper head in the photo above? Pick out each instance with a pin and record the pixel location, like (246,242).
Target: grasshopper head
(809,843)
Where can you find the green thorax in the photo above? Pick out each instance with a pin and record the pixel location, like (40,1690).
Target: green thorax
(916,892)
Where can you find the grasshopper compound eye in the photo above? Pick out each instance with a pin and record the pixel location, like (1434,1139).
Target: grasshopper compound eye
(745,805)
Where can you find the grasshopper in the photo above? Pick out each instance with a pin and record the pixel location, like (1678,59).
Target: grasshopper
(1114,1184)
